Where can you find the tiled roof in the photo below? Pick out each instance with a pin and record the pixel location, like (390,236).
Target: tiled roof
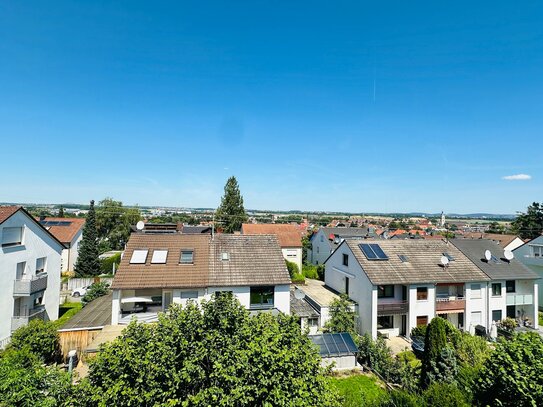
(288,235)
(503,240)
(252,260)
(475,249)
(423,265)
(301,307)
(66,231)
(169,275)
(7,211)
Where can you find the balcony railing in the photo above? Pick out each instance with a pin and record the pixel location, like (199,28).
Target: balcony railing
(520,299)
(400,307)
(22,320)
(450,303)
(24,288)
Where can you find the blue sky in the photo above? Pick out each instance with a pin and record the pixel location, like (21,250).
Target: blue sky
(349,106)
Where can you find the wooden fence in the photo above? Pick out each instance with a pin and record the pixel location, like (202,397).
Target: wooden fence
(77,339)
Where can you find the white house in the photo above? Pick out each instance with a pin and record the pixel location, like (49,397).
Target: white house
(30,259)
(160,269)
(326,240)
(68,231)
(531,255)
(399,284)
(290,238)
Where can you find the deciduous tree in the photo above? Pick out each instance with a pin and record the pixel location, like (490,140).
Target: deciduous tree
(529,225)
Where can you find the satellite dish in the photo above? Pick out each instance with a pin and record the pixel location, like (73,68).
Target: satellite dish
(140,225)
(299,294)
(488,255)
(509,255)
(444,261)
(336,240)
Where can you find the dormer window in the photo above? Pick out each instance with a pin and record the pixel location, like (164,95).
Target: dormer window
(139,256)
(187,257)
(159,256)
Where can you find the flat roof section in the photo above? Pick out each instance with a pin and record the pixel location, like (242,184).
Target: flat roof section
(317,291)
(96,314)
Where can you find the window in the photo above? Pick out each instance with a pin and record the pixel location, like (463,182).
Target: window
(189,294)
(537,251)
(139,256)
(422,293)
(40,265)
(159,256)
(12,236)
(422,320)
(497,315)
(510,286)
(476,318)
(476,291)
(225,256)
(262,297)
(496,289)
(403,258)
(322,238)
(385,322)
(385,291)
(345,259)
(21,270)
(317,249)
(346,285)
(187,256)
(313,322)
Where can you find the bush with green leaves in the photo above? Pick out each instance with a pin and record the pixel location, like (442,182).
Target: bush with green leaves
(342,316)
(107,264)
(419,331)
(95,290)
(209,355)
(40,338)
(378,356)
(509,324)
(444,395)
(310,271)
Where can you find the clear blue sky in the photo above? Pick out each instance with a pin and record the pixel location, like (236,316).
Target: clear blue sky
(353,106)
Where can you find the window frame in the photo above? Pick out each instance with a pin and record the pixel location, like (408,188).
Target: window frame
(474,290)
(44,267)
(17,242)
(494,285)
(510,286)
(390,319)
(345,261)
(144,258)
(159,252)
(422,293)
(501,315)
(382,291)
(184,251)
(422,317)
(263,292)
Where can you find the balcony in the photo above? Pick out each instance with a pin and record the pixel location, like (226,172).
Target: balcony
(450,304)
(24,288)
(22,320)
(393,308)
(520,299)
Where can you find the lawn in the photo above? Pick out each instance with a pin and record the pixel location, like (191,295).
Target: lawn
(66,311)
(358,389)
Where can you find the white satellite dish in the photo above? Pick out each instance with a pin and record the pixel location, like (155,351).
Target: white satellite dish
(488,255)
(444,261)
(299,294)
(140,225)
(509,255)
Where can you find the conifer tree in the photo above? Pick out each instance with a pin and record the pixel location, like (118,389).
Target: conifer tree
(87,263)
(231,214)
(61,212)
(434,343)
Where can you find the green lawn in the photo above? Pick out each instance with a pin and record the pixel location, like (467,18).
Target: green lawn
(358,389)
(66,311)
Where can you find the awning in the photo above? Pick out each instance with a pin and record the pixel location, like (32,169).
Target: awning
(135,299)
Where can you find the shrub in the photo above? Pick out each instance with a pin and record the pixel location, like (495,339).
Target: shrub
(341,316)
(310,271)
(419,331)
(106,265)
(96,290)
(292,268)
(401,398)
(509,324)
(444,395)
(40,338)
(377,355)
(434,343)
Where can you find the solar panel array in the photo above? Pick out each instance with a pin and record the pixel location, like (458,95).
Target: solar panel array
(334,344)
(373,251)
(55,223)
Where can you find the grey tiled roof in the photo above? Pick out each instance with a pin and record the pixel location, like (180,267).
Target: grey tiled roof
(423,266)
(252,260)
(301,307)
(475,249)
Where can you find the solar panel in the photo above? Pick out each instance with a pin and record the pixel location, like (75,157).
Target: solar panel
(334,344)
(368,252)
(378,251)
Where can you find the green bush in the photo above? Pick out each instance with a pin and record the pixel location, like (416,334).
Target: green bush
(298,279)
(377,355)
(66,311)
(292,268)
(96,290)
(509,324)
(106,265)
(434,344)
(444,395)
(401,398)
(40,338)
(310,271)
(419,331)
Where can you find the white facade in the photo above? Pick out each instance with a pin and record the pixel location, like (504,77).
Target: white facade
(294,255)
(30,275)
(531,255)
(69,254)
(320,248)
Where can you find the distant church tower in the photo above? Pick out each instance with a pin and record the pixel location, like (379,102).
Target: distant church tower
(442,222)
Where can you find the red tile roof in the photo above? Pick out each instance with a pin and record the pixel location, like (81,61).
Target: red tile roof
(288,235)
(7,211)
(64,233)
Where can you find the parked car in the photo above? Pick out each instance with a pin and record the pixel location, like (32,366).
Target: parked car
(79,292)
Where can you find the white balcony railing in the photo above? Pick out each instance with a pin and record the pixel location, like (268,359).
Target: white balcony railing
(520,299)
(26,287)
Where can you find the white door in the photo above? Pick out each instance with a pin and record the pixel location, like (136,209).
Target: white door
(166,300)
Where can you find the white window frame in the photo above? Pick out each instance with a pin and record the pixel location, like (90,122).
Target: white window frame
(139,256)
(41,269)
(191,258)
(159,256)
(12,236)
(480,317)
(476,293)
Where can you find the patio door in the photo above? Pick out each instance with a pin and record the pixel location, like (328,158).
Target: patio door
(166,300)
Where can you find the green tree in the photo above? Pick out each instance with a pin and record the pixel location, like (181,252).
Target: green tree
(113,222)
(512,376)
(39,337)
(341,316)
(529,225)
(211,354)
(87,263)
(61,212)
(434,343)
(231,214)
(96,290)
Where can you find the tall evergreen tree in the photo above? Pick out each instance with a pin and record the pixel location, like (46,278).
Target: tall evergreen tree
(87,263)
(434,343)
(61,212)
(231,214)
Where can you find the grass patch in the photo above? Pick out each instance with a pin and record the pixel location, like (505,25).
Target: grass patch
(358,389)
(66,311)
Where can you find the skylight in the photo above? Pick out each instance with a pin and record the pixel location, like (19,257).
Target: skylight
(159,256)
(139,256)
(373,251)
(187,256)
(403,258)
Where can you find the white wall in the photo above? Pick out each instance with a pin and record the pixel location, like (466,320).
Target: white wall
(420,308)
(320,248)
(36,243)
(294,255)
(69,255)
(476,305)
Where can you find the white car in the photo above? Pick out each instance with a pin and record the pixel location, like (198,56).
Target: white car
(79,292)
